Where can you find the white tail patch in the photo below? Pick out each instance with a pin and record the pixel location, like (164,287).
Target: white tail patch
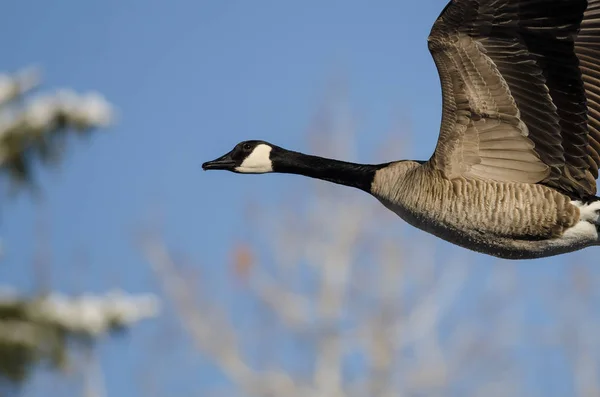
(258,161)
(584,232)
(589,212)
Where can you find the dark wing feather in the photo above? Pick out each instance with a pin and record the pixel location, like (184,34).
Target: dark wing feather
(482,134)
(529,45)
(587,48)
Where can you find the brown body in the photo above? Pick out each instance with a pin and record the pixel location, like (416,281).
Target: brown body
(508,220)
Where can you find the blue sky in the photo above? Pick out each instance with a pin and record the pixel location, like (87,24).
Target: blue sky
(189,80)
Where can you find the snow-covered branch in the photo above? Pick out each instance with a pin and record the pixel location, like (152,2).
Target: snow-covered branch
(86,314)
(93,315)
(35,125)
(38,328)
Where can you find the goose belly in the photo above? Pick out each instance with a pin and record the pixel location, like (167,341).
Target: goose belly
(512,221)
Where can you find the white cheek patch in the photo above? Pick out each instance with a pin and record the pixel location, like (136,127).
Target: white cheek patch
(258,161)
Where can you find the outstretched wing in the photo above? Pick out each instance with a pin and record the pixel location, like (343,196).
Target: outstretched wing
(587,49)
(514,102)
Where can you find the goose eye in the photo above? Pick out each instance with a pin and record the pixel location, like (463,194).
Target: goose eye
(247,146)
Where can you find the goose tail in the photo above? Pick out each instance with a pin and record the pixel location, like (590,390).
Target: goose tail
(593,209)
(589,211)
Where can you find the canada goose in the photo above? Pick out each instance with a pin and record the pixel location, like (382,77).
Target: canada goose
(514,171)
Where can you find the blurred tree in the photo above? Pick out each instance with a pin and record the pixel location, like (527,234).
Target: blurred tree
(36,128)
(37,329)
(40,329)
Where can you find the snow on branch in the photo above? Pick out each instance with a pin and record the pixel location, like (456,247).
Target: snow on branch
(12,87)
(87,314)
(95,315)
(36,126)
(34,329)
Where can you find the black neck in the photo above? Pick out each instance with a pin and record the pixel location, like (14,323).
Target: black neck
(341,172)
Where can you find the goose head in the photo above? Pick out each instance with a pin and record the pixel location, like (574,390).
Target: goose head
(259,157)
(247,157)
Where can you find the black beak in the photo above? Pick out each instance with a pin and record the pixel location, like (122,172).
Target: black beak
(222,163)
